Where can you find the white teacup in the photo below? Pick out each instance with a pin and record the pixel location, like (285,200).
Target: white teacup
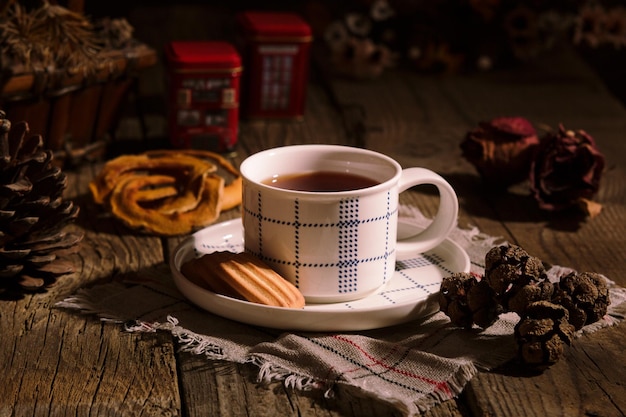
(334,245)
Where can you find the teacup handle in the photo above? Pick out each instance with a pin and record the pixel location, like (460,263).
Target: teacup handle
(444,221)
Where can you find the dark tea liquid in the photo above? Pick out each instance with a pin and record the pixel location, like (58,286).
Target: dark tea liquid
(321,181)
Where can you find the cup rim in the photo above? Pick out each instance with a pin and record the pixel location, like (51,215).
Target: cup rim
(326,147)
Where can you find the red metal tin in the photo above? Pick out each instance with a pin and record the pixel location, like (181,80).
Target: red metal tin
(204,84)
(275,50)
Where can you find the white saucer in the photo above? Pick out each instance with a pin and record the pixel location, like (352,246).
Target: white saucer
(410,294)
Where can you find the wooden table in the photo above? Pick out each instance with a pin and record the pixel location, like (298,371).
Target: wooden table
(54,362)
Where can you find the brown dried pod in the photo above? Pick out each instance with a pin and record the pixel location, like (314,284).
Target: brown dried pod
(467,300)
(453,298)
(541,333)
(584,295)
(528,294)
(508,268)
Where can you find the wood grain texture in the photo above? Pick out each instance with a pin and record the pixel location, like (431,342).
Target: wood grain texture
(585,383)
(63,364)
(421,121)
(59,363)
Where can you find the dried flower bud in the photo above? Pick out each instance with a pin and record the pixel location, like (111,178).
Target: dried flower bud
(467,300)
(528,294)
(585,296)
(358,24)
(483,304)
(381,10)
(361,58)
(566,169)
(508,268)
(501,150)
(541,332)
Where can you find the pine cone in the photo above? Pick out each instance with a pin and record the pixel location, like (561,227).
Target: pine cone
(33,213)
(584,295)
(508,269)
(541,332)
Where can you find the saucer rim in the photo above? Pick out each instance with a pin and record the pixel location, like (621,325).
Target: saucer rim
(203,298)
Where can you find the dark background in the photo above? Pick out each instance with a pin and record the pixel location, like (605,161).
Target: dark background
(158,22)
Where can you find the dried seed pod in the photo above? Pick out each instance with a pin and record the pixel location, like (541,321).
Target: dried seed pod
(453,298)
(541,332)
(528,294)
(467,300)
(585,296)
(508,268)
(483,304)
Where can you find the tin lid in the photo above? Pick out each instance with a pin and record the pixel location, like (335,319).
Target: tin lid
(275,26)
(203,55)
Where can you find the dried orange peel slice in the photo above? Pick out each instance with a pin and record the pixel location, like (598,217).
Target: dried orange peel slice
(232,190)
(114,169)
(124,205)
(169,192)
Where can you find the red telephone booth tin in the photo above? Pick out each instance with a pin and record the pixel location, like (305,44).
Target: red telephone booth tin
(204,84)
(275,51)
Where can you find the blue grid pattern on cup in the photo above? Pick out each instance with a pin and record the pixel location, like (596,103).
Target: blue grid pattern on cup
(408,276)
(348,245)
(347,226)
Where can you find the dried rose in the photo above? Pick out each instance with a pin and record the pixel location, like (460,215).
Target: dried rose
(566,170)
(501,150)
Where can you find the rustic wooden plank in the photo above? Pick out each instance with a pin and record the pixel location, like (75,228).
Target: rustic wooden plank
(419,120)
(80,367)
(422,120)
(586,382)
(233,391)
(566,238)
(60,363)
(64,364)
(236,393)
(404,115)
(568,388)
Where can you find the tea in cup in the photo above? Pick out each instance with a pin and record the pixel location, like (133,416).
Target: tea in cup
(325,217)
